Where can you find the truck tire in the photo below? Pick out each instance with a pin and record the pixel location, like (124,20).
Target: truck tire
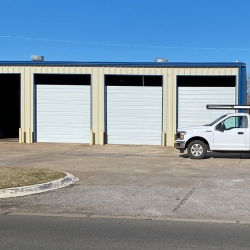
(197,149)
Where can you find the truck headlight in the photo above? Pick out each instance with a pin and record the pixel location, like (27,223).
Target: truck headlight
(180,135)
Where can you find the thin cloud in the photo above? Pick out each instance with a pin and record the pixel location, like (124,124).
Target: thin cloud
(124,45)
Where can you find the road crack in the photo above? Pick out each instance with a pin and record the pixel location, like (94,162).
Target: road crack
(183,201)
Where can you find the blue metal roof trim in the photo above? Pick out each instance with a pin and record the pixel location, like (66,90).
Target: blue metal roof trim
(242,87)
(122,64)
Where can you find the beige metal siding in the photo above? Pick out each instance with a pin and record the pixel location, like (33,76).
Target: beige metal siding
(97,79)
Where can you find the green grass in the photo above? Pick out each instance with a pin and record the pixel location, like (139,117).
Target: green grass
(18,177)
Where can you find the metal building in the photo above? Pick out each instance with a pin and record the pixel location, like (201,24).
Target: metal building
(114,103)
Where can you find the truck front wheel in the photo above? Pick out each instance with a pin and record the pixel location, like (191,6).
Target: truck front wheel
(197,149)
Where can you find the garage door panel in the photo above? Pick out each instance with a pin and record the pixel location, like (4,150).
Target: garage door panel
(134,115)
(192,103)
(131,141)
(44,127)
(144,109)
(134,126)
(58,139)
(132,122)
(61,119)
(63,113)
(140,117)
(60,103)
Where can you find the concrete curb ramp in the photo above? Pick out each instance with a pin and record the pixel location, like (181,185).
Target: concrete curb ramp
(38,188)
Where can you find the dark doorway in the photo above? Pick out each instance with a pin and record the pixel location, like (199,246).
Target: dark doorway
(133,80)
(63,79)
(9,105)
(206,81)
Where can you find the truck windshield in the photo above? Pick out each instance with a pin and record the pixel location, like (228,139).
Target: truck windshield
(212,123)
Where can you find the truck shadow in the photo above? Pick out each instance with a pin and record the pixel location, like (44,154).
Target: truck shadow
(223,155)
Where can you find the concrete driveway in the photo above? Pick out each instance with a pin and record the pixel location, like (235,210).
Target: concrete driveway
(137,181)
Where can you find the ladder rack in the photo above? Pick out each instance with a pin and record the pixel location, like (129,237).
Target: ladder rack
(219,106)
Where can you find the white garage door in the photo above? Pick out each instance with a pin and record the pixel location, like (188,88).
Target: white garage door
(134,115)
(192,103)
(63,113)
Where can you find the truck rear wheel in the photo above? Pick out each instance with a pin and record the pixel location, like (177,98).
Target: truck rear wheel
(197,149)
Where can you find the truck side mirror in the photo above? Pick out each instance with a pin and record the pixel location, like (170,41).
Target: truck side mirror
(219,127)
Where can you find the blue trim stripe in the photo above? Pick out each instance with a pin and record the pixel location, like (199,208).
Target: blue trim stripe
(122,64)
(242,87)
(105,112)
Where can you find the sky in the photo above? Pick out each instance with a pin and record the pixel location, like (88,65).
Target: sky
(125,30)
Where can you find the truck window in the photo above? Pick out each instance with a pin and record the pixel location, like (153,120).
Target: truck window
(235,122)
(212,123)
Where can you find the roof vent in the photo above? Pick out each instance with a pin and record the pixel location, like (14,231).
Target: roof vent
(37,58)
(161,60)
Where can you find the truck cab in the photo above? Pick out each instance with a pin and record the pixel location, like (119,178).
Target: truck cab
(228,133)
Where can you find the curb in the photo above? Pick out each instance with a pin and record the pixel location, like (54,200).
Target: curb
(128,217)
(38,188)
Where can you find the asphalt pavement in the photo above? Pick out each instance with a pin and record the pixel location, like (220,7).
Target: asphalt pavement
(134,182)
(54,233)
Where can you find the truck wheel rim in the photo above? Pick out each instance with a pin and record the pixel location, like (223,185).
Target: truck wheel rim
(196,150)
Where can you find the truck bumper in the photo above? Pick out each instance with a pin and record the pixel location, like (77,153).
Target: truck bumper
(181,145)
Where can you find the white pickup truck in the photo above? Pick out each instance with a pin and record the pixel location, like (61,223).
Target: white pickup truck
(228,133)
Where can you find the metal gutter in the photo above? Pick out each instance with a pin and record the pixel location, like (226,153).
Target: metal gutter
(122,64)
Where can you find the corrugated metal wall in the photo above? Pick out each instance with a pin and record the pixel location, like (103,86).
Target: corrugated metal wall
(192,103)
(97,81)
(63,113)
(134,115)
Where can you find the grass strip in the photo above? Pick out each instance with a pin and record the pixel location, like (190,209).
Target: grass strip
(18,176)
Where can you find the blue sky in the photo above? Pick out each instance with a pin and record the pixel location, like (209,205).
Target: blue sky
(125,30)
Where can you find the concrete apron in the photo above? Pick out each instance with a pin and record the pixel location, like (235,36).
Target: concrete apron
(135,181)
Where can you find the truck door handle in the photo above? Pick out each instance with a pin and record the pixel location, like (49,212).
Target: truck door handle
(240,133)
